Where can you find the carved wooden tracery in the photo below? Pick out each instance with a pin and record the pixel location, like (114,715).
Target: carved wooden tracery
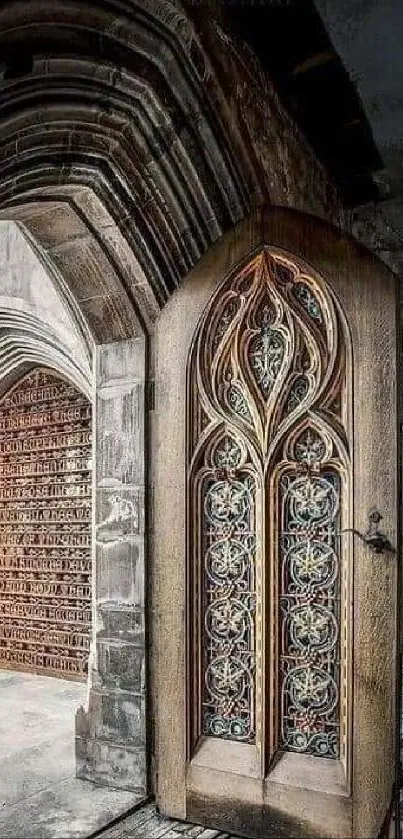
(268,485)
(45,526)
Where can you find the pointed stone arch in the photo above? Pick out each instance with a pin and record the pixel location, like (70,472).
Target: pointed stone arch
(119,159)
(137,135)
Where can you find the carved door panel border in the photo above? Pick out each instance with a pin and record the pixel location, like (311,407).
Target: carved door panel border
(268,482)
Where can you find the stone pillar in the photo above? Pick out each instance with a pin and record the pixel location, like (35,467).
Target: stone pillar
(111,734)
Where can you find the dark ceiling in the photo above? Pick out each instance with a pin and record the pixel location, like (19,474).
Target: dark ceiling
(368,36)
(294,42)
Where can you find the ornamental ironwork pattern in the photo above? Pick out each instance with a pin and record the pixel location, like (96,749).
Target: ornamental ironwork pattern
(268,469)
(45,526)
(228,546)
(310,608)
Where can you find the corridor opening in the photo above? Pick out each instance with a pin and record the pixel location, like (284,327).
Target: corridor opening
(45,608)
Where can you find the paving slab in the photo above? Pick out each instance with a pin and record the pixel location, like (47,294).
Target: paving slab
(40,797)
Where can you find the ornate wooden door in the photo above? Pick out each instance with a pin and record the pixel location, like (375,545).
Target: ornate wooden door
(289,443)
(268,489)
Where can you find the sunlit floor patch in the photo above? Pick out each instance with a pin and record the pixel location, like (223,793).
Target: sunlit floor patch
(40,797)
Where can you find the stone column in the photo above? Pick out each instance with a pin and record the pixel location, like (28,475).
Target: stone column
(111,734)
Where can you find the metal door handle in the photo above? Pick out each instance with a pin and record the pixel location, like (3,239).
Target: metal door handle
(375,540)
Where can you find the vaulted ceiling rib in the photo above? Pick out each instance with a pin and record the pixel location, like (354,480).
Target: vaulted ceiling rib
(124,105)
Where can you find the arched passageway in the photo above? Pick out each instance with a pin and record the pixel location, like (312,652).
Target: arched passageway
(125,164)
(46,545)
(121,161)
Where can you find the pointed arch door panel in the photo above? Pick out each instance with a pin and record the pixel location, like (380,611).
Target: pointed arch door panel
(268,471)
(276,433)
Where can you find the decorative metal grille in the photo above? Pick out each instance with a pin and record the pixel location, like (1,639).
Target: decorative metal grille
(45,526)
(267,474)
(229,601)
(310,612)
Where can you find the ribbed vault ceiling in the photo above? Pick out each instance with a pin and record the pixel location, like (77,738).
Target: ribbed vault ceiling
(112,150)
(25,342)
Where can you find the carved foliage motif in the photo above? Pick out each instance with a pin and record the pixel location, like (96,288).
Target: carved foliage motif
(267,375)
(45,526)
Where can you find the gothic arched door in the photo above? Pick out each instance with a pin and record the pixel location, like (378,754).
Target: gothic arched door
(277,415)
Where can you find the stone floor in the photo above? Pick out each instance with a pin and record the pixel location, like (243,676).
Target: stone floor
(145,823)
(40,797)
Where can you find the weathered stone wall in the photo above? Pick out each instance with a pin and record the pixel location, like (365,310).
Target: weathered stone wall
(371,224)
(111,736)
(286,167)
(288,170)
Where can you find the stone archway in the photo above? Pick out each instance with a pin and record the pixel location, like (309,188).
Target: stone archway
(137,135)
(123,161)
(41,326)
(116,161)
